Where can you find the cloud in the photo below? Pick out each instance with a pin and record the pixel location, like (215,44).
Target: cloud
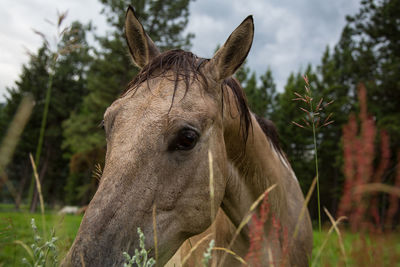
(16,35)
(288,34)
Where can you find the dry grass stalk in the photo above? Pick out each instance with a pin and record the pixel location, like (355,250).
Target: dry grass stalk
(211,188)
(55,52)
(245,220)
(97,172)
(194,248)
(341,245)
(230,252)
(82,260)
(334,225)
(377,187)
(304,207)
(39,189)
(26,248)
(11,139)
(155,233)
(270,257)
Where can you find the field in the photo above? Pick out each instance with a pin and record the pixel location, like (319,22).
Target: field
(17,226)
(360,250)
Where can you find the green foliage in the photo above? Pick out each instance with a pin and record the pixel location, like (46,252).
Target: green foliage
(42,253)
(368,52)
(140,258)
(67,89)
(207,254)
(16,226)
(164,21)
(260,97)
(375,34)
(361,249)
(87,80)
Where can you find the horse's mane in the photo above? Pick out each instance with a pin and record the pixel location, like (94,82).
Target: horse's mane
(186,67)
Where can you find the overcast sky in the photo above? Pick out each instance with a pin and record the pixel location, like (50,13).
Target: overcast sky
(289,34)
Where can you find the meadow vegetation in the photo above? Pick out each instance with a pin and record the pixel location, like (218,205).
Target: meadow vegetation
(358,167)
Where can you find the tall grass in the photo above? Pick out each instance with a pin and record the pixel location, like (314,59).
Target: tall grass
(312,119)
(372,238)
(10,141)
(55,50)
(359,203)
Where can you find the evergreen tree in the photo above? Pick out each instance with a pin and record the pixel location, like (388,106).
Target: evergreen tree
(268,94)
(335,84)
(368,52)
(261,97)
(68,86)
(376,36)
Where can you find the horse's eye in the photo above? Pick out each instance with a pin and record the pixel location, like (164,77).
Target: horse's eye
(185,140)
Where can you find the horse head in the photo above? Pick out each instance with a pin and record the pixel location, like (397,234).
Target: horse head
(161,134)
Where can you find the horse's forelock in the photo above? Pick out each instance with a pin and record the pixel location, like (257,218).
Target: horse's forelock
(186,67)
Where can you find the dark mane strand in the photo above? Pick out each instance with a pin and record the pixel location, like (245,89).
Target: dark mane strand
(241,103)
(271,132)
(184,66)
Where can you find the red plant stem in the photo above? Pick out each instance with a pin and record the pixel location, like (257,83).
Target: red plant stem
(349,137)
(256,234)
(365,157)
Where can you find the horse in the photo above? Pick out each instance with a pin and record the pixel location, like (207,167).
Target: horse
(181,120)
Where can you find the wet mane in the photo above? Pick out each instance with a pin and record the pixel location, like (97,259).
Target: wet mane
(186,68)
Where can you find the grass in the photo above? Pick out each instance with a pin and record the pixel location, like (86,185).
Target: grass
(16,226)
(312,120)
(360,248)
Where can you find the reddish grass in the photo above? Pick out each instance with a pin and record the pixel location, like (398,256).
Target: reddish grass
(256,234)
(362,209)
(263,247)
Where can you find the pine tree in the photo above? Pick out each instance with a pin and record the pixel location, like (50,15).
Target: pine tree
(368,53)
(68,86)
(261,97)
(267,92)
(376,35)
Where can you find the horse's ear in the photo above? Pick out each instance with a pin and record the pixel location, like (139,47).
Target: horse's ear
(141,47)
(233,53)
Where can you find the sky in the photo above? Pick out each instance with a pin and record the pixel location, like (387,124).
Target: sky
(289,34)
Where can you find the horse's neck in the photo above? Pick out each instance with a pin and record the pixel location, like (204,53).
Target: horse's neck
(251,173)
(260,167)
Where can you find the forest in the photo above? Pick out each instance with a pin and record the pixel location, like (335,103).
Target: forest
(75,82)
